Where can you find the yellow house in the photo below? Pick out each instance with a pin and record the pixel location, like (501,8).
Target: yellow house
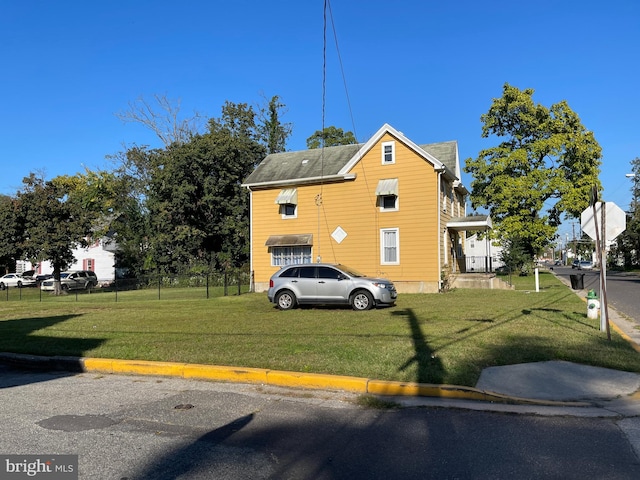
(388,208)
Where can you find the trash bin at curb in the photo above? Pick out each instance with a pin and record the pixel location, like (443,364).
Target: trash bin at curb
(577,281)
(593,305)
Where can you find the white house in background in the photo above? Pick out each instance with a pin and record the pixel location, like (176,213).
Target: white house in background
(477,251)
(98,257)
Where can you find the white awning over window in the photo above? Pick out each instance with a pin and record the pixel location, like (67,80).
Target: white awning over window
(288,196)
(387,187)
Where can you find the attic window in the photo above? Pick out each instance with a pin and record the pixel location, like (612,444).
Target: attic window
(388,153)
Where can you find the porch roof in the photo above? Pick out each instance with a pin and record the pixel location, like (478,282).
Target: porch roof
(469,224)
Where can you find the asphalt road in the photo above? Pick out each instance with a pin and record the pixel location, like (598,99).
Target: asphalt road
(127,428)
(623,289)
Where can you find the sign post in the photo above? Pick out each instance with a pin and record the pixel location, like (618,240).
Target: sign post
(612,222)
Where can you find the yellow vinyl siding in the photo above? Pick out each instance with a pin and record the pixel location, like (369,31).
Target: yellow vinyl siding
(352,206)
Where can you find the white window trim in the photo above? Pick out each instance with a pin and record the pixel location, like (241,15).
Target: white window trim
(302,257)
(394,209)
(382,246)
(392,144)
(284,215)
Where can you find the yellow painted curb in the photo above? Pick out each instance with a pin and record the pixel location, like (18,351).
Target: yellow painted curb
(381,387)
(302,380)
(315,380)
(626,337)
(97,365)
(146,367)
(227,374)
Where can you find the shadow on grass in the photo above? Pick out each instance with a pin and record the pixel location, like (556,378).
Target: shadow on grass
(428,365)
(18,342)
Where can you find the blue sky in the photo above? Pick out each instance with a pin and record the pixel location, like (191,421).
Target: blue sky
(430,69)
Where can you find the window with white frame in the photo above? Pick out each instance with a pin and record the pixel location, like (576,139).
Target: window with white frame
(287,201)
(288,210)
(389,246)
(388,153)
(387,193)
(281,256)
(388,203)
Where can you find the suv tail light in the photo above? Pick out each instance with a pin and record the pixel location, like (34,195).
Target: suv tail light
(270,283)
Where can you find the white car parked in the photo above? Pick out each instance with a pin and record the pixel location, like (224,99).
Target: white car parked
(15,280)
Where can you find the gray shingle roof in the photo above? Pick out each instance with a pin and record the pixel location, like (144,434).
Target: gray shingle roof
(302,164)
(446,152)
(308,164)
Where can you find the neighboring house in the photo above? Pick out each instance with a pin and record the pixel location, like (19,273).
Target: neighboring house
(388,207)
(481,254)
(99,257)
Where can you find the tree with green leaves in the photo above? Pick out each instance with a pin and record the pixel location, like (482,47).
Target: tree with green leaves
(543,169)
(197,208)
(330,137)
(273,133)
(55,222)
(628,243)
(11,234)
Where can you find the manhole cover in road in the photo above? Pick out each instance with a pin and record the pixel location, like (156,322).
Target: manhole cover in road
(76,423)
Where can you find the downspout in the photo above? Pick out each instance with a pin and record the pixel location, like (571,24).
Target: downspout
(252,281)
(439,237)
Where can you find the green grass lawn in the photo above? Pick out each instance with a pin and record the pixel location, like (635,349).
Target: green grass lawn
(430,338)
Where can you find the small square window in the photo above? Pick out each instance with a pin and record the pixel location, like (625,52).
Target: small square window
(388,152)
(388,202)
(288,210)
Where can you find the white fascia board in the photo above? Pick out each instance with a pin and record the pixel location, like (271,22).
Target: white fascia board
(300,181)
(386,128)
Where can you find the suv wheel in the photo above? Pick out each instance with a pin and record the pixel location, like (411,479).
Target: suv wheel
(362,300)
(285,300)
(64,287)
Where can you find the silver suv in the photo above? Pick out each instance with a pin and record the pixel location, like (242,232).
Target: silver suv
(321,284)
(76,280)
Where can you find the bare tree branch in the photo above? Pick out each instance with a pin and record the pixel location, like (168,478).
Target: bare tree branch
(163,119)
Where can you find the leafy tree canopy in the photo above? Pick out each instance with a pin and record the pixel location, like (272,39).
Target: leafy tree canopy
(330,137)
(544,168)
(55,221)
(198,209)
(11,233)
(273,132)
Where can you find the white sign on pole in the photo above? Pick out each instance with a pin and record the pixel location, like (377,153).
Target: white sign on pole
(615,225)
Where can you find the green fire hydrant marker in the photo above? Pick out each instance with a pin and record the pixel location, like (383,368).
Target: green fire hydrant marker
(593,305)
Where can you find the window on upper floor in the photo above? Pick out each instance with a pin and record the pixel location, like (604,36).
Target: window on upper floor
(387,195)
(287,200)
(388,153)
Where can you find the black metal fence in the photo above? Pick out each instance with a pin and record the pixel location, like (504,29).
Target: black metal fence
(158,286)
(478,264)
